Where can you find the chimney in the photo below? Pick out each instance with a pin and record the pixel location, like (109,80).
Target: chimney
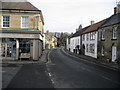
(117,9)
(92,22)
(80,27)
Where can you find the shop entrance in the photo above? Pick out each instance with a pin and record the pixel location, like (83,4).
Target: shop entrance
(8,50)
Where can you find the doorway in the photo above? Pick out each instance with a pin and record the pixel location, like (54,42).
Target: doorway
(7,51)
(114,53)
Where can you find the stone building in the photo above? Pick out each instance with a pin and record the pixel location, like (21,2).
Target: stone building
(109,38)
(21,31)
(50,40)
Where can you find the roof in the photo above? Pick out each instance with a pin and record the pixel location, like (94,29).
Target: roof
(114,19)
(79,32)
(18,6)
(94,27)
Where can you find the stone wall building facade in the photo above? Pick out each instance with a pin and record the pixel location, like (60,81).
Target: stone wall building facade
(21,31)
(109,39)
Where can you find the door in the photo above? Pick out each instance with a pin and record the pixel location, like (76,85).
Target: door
(3,50)
(114,52)
(6,51)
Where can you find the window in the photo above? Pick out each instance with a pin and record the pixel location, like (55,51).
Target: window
(114,33)
(87,36)
(103,34)
(87,48)
(24,22)
(102,51)
(92,35)
(6,21)
(24,46)
(83,37)
(92,48)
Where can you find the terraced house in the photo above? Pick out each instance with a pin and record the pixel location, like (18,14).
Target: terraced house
(21,31)
(109,38)
(90,39)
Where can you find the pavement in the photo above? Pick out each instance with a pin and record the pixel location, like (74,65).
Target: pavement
(103,63)
(42,60)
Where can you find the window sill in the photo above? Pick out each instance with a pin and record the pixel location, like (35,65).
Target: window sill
(102,39)
(113,39)
(5,27)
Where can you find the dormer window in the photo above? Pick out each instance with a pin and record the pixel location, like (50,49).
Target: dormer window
(114,33)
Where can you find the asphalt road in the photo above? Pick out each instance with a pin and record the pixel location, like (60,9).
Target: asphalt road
(69,72)
(31,76)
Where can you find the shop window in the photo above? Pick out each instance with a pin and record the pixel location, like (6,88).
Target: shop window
(114,33)
(24,22)
(6,21)
(24,46)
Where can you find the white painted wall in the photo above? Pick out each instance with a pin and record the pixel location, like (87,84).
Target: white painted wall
(74,41)
(85,42)
(67,44)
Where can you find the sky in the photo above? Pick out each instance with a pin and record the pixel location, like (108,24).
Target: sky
(67,15)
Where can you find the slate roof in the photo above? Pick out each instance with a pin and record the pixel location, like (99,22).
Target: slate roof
(94,27)
(114,19)
(18,6)
(79,32)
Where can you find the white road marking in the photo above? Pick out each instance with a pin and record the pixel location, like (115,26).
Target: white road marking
(106,78)
(49,74)
(52,81)
(110,80)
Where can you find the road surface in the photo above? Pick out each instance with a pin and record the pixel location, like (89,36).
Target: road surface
(66,71)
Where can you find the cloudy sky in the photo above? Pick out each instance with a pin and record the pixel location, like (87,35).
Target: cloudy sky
(67,15)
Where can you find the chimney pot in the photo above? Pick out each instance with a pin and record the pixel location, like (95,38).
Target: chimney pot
(92,22)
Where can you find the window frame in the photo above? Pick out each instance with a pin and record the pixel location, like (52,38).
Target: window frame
(5,21)
(114,32)
(92,48)
(92,35)
(103,34)
(102,51)
(87,48)
(24,26)
(83,37)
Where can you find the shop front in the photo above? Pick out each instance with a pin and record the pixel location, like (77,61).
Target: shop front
(19,46)
(8,48)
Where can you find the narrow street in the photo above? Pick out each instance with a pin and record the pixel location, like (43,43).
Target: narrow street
(62,71)
(70,72)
